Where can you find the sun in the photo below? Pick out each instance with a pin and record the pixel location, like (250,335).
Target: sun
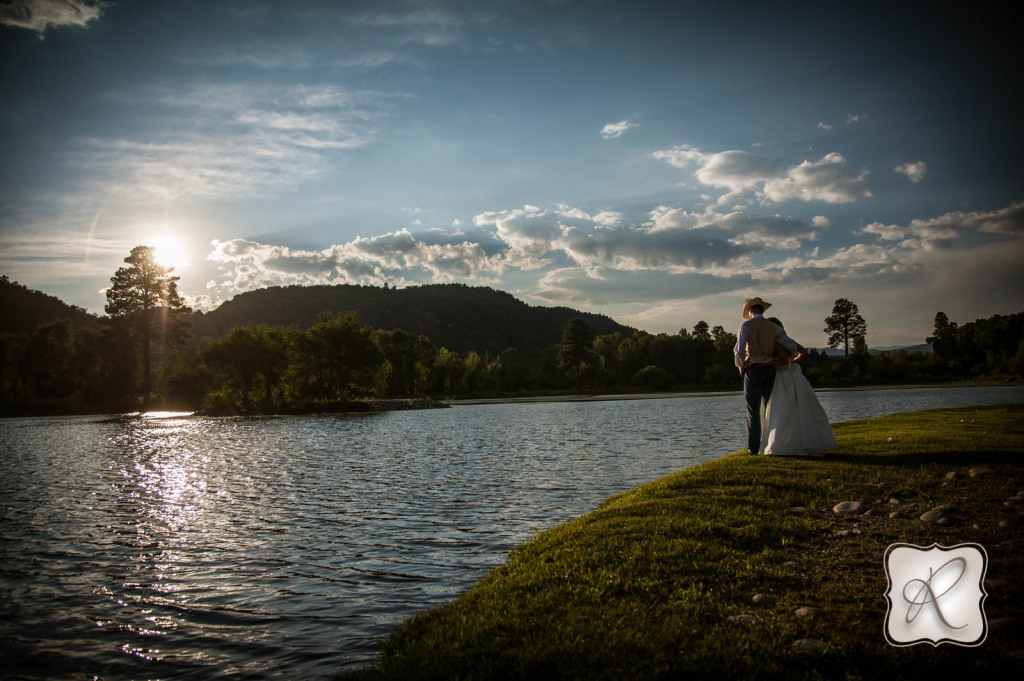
(169,252)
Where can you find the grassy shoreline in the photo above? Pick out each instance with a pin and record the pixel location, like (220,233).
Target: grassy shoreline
(659,582)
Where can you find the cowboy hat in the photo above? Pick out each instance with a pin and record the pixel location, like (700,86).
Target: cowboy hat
(747,304)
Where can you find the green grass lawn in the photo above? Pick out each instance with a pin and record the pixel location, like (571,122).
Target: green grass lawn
(645,586)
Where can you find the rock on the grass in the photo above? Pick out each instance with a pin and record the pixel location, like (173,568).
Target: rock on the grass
(808,644)
(979,472)
(943,515)
(764,600)
(810,611)
(742,619)
(849,508)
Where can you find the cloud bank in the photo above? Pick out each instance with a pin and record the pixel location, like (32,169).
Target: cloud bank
(567,256)
(671,242)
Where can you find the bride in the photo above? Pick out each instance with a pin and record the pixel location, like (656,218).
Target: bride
(795,423)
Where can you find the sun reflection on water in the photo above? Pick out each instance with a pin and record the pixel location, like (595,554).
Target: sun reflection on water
(162,486)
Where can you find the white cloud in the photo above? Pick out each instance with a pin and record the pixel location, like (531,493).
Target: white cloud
(607,218)
(613,130)
(38,15)
(682,156)
(570,212)
(824,126)
(915,172)
(856,118)
(529,233)
(737,170)
(830,179)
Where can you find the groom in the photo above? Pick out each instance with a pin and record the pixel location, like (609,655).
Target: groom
(755,354)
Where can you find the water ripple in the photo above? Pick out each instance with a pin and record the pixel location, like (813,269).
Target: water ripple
(195,548)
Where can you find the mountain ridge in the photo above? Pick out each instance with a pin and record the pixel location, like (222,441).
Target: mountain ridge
(454,316)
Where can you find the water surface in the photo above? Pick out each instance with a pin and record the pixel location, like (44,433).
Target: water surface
(184,547)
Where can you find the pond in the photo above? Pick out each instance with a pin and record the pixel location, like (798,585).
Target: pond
(181,547)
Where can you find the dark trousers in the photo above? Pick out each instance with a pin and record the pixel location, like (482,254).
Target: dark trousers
(757,388)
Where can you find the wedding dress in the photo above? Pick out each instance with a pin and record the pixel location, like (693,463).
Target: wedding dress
(795,423)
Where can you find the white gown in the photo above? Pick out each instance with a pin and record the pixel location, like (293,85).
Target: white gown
(795,424)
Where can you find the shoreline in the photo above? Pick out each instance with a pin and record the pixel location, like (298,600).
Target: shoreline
(611,397)
(401,404)
(780,558)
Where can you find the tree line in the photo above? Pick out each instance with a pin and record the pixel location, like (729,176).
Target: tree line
(138,357)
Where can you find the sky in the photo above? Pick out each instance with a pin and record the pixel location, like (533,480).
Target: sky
(657,162)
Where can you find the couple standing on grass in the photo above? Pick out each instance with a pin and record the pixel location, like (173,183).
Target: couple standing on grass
(776,391)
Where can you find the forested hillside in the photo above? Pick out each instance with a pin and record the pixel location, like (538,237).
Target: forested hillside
(300,349)
(24,309)
(455,316)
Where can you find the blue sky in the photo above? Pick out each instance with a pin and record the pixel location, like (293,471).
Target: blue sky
(657,162)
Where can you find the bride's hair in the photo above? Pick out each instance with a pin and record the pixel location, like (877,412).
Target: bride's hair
(776,322)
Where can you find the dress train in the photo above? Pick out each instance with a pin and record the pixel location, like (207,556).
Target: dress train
(795,424)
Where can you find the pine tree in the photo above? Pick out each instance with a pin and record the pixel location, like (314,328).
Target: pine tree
(844,325)
(576,348)
(143,302)
(943,338)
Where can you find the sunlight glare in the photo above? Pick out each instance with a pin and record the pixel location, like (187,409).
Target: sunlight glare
(168,252)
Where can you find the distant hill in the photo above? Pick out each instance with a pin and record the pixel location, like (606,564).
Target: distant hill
(454,316)
(923,347)
(23,309)
(838,352)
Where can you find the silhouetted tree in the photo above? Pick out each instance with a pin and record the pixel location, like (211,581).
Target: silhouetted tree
(251,357)
(844,325)
(511,370)
(859,346)
(143,301)
(943,338)
(337,358)
(48,362)
(576,348)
